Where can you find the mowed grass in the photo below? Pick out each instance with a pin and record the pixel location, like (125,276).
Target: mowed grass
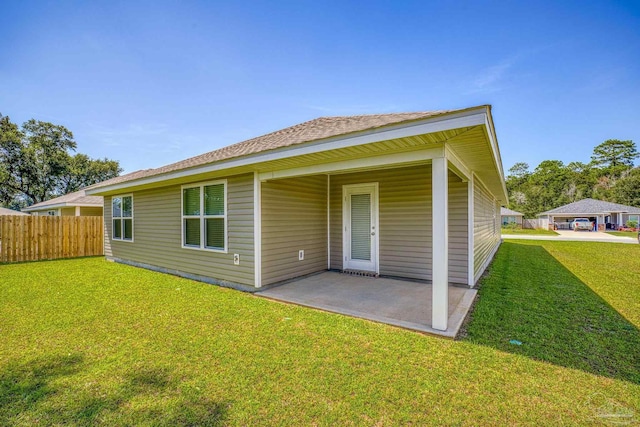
(528,231)
(632,234)
(568,303)
(88,342)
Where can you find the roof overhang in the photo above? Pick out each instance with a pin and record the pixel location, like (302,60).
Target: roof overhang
(464,133)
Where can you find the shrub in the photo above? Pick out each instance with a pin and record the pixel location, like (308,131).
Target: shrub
(632,224)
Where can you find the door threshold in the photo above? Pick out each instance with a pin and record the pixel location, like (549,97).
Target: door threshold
(360,273)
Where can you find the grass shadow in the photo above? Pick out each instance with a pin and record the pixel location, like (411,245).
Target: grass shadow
(24,385)
(529,297)
(30,392)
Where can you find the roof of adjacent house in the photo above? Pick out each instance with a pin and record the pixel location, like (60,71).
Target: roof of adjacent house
(509,212)
(592,206)
(5,211)
(80,198)
(313,130)
(77,198)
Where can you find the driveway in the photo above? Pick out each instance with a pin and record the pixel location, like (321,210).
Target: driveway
(569,235)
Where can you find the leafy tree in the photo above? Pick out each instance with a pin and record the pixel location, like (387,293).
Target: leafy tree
(627,189)
(519,170)
(36,164)
(83,171)
(615,156)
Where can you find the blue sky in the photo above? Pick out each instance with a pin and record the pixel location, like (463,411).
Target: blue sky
(150,83)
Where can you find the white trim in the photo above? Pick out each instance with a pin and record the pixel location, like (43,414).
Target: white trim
(328,222)
(495,150)
(202,217)
(122,218)
(77,210)
(471,231)
(440,244)
(257,230)
(373,187)
(363,163)
(472,117)
(456,165)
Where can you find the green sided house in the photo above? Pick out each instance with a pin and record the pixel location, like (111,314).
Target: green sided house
(77,203)
(409,195)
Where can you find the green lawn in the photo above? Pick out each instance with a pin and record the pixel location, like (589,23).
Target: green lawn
(516,231)
(88,342)
(632,234)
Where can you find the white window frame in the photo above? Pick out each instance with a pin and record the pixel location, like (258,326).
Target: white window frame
(121,238)
(631,218)
(202,217)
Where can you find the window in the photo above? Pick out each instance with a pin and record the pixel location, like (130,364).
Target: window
(506,220)
(204,216)
(122,217)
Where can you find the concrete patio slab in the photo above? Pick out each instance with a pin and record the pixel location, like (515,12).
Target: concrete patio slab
(396,302)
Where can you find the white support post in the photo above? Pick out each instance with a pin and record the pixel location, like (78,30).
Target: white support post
(77,210)
(440,250)
(328,222)
(257,230)
(470,231)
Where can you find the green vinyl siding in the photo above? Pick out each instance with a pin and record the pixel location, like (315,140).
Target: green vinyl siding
(90,211)
(458,230)
(486,227)
(294,218)
(405,222)
(158,241)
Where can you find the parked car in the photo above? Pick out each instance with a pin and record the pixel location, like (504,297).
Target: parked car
(638,235)
(582,224)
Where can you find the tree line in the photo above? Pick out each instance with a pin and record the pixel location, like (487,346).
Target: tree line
(609,176)
(38,162)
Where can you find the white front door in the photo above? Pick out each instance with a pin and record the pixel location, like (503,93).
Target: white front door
(360,231)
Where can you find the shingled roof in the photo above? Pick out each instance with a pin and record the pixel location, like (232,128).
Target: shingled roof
(80,198)
(508,212)
(592,206)
(5,211)
(77,198)
(313,130)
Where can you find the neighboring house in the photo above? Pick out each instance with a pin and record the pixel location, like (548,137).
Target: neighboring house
(413,195)
(77,203)
(5,212)
(507,216)
(604,215)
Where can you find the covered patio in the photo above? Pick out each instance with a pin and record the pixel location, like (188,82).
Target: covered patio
(403,303)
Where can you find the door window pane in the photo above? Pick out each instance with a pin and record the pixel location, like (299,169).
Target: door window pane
(361,226)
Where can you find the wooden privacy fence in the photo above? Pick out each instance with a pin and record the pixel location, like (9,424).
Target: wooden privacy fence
(32,238)
(533,223)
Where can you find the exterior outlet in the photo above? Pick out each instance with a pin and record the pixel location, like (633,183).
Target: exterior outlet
(236,259)
(301,255)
